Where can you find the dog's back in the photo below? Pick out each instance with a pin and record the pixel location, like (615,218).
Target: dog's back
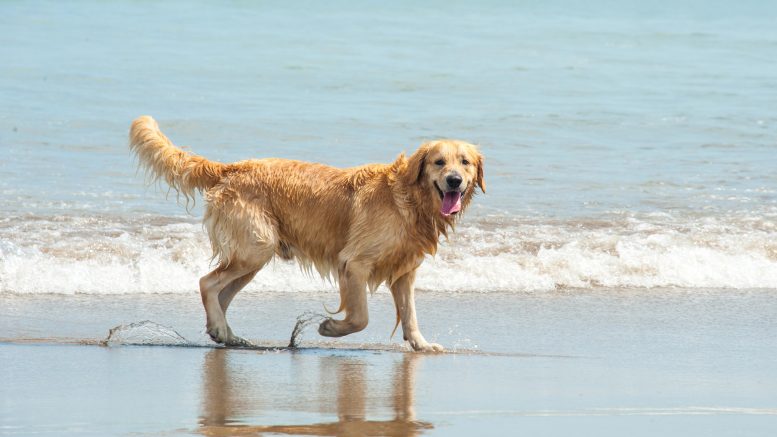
(263,207)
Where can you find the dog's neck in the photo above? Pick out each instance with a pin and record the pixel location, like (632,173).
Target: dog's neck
(419,208)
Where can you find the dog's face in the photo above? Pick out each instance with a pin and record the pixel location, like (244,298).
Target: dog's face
(449,169)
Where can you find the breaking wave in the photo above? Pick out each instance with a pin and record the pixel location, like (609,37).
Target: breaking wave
(154,254)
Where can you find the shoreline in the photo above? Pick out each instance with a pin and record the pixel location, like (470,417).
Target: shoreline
(552,363)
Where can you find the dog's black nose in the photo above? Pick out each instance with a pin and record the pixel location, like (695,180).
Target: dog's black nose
(453,181)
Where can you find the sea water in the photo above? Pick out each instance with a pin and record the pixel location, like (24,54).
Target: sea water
(627,144)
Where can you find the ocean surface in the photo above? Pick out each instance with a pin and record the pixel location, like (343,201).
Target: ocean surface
(628,144)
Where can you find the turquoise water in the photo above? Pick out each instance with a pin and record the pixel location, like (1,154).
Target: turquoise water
(627,144)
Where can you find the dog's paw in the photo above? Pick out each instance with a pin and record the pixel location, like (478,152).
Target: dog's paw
(330,328)
(217,334)
(234,340)
(227,338)
(424,346)
(339,328)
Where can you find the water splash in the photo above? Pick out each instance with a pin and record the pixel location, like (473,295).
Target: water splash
(303,321)
(144,333)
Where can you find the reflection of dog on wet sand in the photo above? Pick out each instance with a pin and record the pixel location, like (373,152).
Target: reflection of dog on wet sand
(361,226)
(226,404)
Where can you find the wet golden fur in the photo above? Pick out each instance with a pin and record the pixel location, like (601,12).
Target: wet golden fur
(370,224)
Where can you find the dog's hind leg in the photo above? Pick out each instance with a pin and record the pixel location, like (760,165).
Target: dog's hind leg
(353,299)
(229,278)
(404,298)
(228,293)
(244,240)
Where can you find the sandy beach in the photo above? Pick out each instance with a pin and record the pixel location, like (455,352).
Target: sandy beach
(631,362)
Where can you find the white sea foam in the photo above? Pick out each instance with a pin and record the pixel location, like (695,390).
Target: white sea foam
(110,255)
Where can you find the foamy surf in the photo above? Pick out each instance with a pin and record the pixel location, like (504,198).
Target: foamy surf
(153,254)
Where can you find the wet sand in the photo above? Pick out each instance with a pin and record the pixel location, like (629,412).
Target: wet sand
(611,363)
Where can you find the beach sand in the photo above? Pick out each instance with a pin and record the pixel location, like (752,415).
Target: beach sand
(652,362)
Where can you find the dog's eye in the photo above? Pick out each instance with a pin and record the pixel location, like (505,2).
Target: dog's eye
(465,162)
(440,162)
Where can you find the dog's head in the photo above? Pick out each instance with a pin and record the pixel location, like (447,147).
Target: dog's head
(448,171)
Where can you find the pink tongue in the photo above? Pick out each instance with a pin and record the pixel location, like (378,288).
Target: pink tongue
(451,203)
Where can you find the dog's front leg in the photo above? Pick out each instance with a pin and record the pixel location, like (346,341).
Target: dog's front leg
(353,299)
(404,298)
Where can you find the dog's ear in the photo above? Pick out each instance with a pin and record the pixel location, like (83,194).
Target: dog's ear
(415,165)
(480,181)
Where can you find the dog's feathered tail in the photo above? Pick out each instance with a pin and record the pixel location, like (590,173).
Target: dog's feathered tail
(183,171)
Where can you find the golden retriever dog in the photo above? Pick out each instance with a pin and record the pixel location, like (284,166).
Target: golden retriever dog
(361,226)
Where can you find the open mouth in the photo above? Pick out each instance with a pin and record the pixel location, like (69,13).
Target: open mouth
(451,201)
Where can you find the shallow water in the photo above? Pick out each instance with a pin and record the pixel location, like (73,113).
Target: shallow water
(642,362)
